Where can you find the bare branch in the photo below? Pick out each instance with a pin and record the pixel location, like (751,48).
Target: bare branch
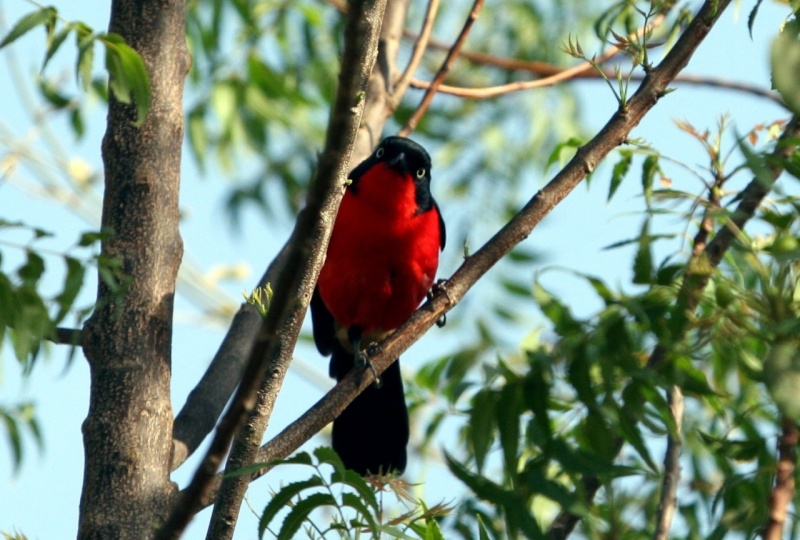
(420,46)
(66,336)
(783,491)
(452,54)
(294,284)
(672,467)
(582,73)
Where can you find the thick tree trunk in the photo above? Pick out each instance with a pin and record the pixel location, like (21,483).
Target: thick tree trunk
(128,431)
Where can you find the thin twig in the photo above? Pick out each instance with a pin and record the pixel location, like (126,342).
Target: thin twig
(452,54)
(68,336)
(294,285)
(615,132)
(557,75)
(420,46)
(783,490)
(581,72)
(672,467)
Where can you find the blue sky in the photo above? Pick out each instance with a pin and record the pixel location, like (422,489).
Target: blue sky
(42,499)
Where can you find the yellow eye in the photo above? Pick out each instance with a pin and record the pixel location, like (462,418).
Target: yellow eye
(420,173)
(379,153)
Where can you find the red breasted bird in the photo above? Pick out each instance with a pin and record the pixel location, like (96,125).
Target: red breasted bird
(381,262)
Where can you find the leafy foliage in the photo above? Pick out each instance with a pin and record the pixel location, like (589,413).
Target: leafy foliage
(128,78)
(355,504)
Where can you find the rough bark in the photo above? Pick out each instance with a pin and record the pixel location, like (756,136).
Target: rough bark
(128,339)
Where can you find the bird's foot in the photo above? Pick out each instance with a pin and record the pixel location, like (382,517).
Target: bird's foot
(439,287)
(363,359)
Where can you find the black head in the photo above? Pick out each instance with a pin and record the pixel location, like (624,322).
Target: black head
(406,157)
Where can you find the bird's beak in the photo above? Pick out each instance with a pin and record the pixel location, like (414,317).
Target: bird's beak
(399,163)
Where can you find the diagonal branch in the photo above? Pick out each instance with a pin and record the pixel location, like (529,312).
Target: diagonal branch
(615,133)
(294,284)
(580,72)
(249,436)
(452,54)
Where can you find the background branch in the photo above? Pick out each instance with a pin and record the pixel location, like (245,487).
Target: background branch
(783,490)
(581,72)
(672,467)
(452,54)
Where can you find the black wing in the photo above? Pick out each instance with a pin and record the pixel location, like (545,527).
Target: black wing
(322,320)
(442,231)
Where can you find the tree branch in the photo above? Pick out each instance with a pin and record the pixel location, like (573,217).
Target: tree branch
(452,54)
(420,46)
(246,445)
(783,491)
(580,72)
(66,336)
(672,467)
(615,132)
(295,283)
(207,400)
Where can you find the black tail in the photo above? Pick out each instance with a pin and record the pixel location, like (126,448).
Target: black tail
(371,434)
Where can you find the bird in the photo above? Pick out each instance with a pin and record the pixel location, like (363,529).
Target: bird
(380,264)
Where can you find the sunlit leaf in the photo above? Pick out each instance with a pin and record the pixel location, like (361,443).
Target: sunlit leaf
(43,16)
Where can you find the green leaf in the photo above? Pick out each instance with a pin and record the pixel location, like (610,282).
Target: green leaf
(55,43)
(32,324)
(198,133)
(14,438)
(628,417)
(84,38)
(559,314)
(92,237)
(282,499)
(621,168)
(507,417)
(46,16)
(649,169)
(785,58)
(483,534)
(643,262)
(536,394)
(299,513)
(481,426)
(73,282)
(751,19)
(52,95)
(555,155)
(32,270)
(128,78)
(326,454)
(356,482)
(480,485)
(356,503)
